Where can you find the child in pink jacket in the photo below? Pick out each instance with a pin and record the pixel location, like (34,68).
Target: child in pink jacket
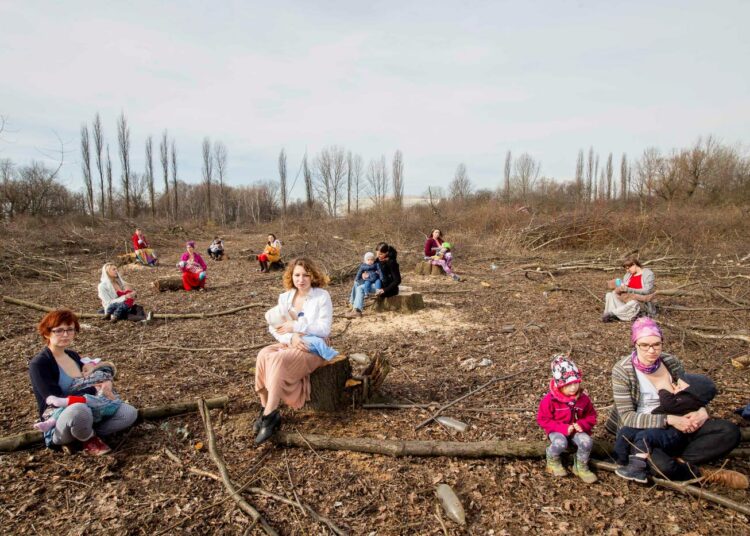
(566,412)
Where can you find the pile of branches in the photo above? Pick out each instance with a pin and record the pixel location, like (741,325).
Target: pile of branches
(568,231)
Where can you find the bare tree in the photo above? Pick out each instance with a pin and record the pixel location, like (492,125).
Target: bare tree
(646,174)
(220,157)
(595,193)
(330,167)
(86,168)
(609,172)
(208,171)
(377,181)
(355,169)
(349,182)
(123,141)
(526,173)
(579,175)
(174,178)
(307,173)
(460,187)
(624,187)
(590,174)
(149,175)
(282,181)
(98,147)
(110,201)
(506,176)
(164,159)
(398,178)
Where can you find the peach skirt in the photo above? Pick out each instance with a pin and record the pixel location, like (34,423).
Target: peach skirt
(283,373)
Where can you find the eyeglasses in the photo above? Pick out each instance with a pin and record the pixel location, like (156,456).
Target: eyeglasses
(63,331)
(643,347)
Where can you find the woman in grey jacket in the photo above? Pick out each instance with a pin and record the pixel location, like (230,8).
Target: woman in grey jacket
(632,295)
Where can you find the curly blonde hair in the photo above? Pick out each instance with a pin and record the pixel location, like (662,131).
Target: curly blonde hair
(319,278)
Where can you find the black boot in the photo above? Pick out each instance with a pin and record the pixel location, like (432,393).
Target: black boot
(256,424)
(268,425)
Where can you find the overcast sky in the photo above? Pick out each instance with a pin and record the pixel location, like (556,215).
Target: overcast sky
(444,82)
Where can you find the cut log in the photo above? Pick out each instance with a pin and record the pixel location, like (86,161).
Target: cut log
(427,268)
(328,384)
(168,283)
(407,302)
(33,438)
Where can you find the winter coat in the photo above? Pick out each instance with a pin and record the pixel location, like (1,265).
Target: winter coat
(555,415)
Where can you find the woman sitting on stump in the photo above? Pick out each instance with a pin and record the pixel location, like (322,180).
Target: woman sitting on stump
(438,252)
(271,253)
(631,295)
(390,279)
(671,446)
(193,269)
(118,298)
(282,370)
(53,371)
(143,252)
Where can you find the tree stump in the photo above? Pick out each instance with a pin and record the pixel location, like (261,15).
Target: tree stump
(427,268)
(328,384)
(127,258)
(408,302)
(168,283)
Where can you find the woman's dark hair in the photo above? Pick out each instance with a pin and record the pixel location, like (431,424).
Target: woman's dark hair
(382,247)
(631,260)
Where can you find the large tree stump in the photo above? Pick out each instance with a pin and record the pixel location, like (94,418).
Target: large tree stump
(327,384)
(427,268)
(168,283)
(408,302)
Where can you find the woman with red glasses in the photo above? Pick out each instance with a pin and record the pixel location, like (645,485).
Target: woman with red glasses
(52,372)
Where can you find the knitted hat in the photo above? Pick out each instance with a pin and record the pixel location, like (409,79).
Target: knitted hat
(447,245)
(369,255)
(190,244)
(564,371)
(645,327)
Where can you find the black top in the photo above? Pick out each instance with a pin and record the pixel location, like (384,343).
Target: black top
(391,274)
(45,375)
(700,391)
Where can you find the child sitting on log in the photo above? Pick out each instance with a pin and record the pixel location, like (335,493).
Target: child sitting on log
(691,393)
(368,276)
(567,412)
(106,401)
(316,345)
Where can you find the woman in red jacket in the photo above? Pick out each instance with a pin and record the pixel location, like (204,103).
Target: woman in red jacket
(143,252)
(567,412)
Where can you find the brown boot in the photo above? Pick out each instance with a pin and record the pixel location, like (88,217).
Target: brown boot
(725,477)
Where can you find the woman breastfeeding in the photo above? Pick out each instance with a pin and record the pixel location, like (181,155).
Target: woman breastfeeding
(282,370)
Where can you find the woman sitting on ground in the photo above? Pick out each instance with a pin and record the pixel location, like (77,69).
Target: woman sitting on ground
(118,298)
(193,268)
(438,252)
(671,446)
(282,370)
(271,253)
(632,296)
(143,252)
(53,371)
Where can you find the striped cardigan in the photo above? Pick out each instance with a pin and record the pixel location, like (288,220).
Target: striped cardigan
(627,393)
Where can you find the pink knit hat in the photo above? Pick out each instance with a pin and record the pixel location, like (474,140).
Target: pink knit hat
(645,327)
(564,371)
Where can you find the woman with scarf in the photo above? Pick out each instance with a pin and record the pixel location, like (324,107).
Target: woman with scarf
(143,252)
(636,381)
(193,268)
(117,297)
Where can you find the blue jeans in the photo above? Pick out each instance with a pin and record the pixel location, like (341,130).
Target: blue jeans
(635,440)
(360,290)
(118,309)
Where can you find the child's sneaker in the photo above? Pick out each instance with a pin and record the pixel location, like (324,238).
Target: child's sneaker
(635,470)
(582,471)
(555,467)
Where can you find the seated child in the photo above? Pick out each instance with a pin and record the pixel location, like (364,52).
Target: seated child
(275,318)
(567,412)
(216,249)
(443,252)
(106,401)
(372,282)
(691,393)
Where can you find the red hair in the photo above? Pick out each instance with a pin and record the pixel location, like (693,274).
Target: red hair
(56,318)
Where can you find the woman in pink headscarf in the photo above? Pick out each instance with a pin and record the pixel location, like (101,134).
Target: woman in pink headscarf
(193,268)
(636,382)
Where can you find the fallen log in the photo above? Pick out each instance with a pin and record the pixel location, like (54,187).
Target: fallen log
(407,302)
(44,308)
(33,438)
(171,283)
(726,336)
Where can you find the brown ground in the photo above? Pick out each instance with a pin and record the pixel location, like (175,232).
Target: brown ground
(140,490)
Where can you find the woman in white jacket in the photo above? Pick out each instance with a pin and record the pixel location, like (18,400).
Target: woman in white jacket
(118,298)
(282,370)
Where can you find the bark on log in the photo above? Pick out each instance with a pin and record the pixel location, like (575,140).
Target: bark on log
(34,438)
(207,315)
(168,283)
(44,308)
(427,268)
(407,302)
(328,384)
